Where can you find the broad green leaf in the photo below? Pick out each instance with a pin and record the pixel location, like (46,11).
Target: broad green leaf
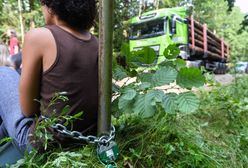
(169,102)
(133,60)
(145,85)
(167,63)
(146,77)
(164,75)
(128,94)
(145,103)
(125,105)
(187,102)
(190,77)
(149,55)
(119,73)
(171,52)
(143,107)
(125,49)
(155,96)
(144,56)
(180,63)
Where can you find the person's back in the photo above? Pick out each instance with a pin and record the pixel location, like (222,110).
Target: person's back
(75,71)
(68,60)
(61,57)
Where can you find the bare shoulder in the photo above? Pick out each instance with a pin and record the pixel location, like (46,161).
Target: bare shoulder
(39,36)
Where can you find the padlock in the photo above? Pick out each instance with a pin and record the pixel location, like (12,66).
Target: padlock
(113,165)
(108,153)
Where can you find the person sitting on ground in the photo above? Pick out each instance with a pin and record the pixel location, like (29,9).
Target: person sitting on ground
(10,61)
(4,56)
(61,57)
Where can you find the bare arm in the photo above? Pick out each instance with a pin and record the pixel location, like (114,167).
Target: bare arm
(31,73)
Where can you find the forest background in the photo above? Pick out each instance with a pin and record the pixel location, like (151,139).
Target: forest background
(214,136)
(222,17)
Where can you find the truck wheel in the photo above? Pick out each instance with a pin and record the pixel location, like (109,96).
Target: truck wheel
(222,70)
(246,70)
(216,71)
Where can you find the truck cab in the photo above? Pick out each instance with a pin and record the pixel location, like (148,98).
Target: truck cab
(198,46)
(158,29)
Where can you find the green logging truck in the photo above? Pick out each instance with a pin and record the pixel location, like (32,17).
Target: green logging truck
(198,45)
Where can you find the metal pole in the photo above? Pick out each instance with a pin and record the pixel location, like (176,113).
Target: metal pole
(105,65)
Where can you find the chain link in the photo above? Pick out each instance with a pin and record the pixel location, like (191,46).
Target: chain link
(89,139)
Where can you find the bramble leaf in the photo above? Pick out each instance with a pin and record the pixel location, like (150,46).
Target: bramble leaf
(119,73)
(171,52)
(145,85)
(190,77)
(125,50)
(169,102)
(179,63)
(144,104)
(149,55)
(187,102)
(146,77)
(146,55)
(164,75)
(129,94)
(155,96)
(125,105)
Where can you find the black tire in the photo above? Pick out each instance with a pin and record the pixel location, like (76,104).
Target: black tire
(246,70)
(217,71)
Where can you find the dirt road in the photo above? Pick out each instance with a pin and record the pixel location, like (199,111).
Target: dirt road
(224,79)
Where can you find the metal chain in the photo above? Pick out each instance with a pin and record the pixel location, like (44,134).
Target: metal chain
(89,139)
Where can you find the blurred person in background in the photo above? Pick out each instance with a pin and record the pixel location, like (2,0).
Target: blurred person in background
(13,42)
(4,56)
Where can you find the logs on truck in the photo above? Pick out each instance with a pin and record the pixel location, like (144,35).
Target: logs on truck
(203,43)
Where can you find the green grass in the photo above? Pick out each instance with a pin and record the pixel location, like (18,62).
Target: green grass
(215,136)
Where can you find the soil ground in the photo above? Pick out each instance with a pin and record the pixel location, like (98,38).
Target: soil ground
(221,79)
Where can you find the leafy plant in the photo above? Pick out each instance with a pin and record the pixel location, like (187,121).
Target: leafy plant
(215,136)
(43,124)
(5,140)
(142,96)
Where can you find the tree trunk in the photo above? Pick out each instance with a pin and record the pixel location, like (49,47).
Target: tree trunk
(156,4)
(21,20)
(141,6)
(105,65)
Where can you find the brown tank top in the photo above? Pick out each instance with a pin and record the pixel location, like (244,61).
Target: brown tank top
(75,71)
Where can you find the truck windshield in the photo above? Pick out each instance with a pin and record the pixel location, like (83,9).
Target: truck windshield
(147,29)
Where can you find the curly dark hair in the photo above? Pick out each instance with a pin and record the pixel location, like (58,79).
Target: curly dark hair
(79,14)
